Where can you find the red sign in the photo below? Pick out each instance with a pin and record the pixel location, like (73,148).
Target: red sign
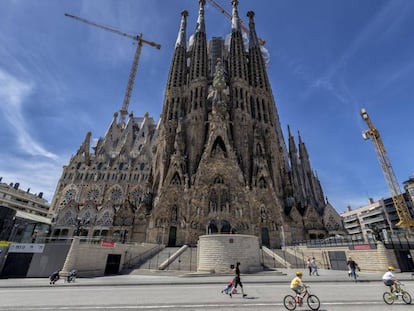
(107,244)
(362,246)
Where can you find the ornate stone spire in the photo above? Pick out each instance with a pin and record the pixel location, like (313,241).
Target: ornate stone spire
(253,40)
(181,38)
(235,21)
(220,92)
(200,21)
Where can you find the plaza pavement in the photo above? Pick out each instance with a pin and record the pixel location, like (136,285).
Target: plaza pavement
(155,277)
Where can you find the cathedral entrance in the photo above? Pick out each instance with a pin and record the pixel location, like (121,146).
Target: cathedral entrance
(212,227)
(265,237)
(222,227)
(172,236)
(225,227)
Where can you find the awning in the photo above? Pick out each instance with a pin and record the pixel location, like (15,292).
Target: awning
(33,217)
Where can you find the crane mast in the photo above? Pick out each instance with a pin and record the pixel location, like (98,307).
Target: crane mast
(228,15)
(134,67)
(405,219)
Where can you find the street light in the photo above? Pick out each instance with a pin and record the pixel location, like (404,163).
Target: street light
(80,223)
(34,235)
(163,232)
(123,221)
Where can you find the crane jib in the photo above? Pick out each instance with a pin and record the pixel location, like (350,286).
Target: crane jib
(134,67)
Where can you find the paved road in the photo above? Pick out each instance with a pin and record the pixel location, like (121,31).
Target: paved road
(172,292)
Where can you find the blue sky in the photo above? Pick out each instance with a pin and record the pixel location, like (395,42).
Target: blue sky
(60,78)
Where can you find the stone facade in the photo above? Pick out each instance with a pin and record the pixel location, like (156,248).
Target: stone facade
(221,163)
(98,193)
(217,161)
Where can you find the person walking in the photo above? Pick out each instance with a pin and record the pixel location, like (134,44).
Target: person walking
(54,277)
(314,265)
(352,265)
(237,281)
(309,266)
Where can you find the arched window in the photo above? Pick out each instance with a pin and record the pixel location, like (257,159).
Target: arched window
(174,213)
(258,149)
(225,226)
(262,183)
(176,180)
(218,180)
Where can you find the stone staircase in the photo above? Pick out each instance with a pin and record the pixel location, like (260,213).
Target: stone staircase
(294,261)
(172,259)
(272,261)
(279,258)
(184,259)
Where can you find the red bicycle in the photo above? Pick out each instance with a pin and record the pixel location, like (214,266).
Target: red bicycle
(291,302)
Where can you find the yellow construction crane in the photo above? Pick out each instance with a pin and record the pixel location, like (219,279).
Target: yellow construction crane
(225,13)
(132,74)
(392,182)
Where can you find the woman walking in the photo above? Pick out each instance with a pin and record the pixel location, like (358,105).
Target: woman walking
(237,280)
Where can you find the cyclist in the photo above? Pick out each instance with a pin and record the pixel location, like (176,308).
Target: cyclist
(389,279)
(298,286)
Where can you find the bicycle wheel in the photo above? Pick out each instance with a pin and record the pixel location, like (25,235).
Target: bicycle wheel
(388,298)
(406,297)
(313,302)
(289,302)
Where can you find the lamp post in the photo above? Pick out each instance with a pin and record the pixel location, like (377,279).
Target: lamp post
(123,221)
(163,232)
(80,223)
(13,232)
(34,235)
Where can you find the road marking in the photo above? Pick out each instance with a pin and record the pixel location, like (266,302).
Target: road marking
(185,306)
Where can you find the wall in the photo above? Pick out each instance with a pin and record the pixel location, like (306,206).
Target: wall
(216,252)
(80,255)
(364,257)
(52,259)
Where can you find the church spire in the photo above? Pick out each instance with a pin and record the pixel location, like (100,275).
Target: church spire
(201,27)
(182,32)
(258,75)
(177,75)
(235,20)
(253,40)
(198,58)
(237,59)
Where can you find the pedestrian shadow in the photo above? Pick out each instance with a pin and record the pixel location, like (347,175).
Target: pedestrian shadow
(250,297)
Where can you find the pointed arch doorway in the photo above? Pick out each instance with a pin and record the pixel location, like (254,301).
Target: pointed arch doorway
(172,236)
(265,237)
(225,226)
(212,227)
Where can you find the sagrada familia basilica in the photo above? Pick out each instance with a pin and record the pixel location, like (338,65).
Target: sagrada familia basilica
(216,162)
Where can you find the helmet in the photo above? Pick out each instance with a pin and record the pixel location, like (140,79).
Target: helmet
(391,268)
(299,273)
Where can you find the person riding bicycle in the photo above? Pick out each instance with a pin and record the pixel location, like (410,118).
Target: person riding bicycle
(390,280)
(298,286)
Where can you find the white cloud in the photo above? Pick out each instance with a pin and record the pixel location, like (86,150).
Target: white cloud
(377,25)
(12,95)
(37,174)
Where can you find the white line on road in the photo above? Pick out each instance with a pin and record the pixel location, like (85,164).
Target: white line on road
(184,306)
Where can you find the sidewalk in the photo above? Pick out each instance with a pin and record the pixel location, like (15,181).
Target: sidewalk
(155,277)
